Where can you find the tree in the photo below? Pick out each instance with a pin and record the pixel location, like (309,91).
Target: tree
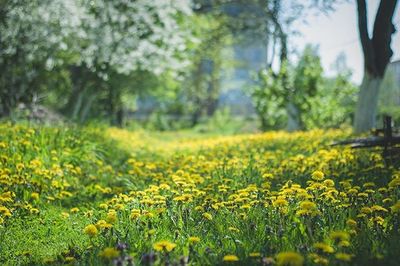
(377,53)
(333,105)
(100,44)
(121,38)
(276,23)
(202,86)
(291,89)
(33,35)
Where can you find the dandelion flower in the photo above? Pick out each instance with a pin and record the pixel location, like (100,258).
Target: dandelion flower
(208,216)
(324,247)
(230,258)
(34,195)
(343,256)
(317,175)
(91,230)
(164,245)
(194,239)
(109,253)
(289,259)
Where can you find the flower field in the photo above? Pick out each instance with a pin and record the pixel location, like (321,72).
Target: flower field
(87,196)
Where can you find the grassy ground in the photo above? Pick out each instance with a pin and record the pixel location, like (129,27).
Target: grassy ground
(109,196)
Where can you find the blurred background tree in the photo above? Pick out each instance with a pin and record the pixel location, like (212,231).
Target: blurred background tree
(174,64)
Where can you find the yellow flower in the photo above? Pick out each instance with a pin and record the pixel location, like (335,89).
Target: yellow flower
(5,211)
(289,259)
(208,216)
(366,210)
(317,175)
(344,243)
(103,206)
(343,256)
(329,183)
(164,245)
(387,200)
(91,230)
(324,247)
(230,258)
(34,195)
(280,202)
(255,254)
(351,223)
(379,220)
(339,236)
(318,259)
(102,224)
(396,207)
(119,206)
(69,259)
(194,239)
(233,229)
(135,213)
(74,210)
(307,205)
(111,216)
(109,253)
(377,208)
(34,211)
(307,208)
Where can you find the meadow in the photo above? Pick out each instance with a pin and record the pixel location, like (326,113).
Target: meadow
(108,196)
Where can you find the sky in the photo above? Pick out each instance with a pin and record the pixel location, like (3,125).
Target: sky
(337,32)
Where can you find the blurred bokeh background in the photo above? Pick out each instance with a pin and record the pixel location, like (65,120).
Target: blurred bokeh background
(209,65)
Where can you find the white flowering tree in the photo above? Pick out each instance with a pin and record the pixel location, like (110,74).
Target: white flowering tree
(98,42)
(121,38)
(32,34)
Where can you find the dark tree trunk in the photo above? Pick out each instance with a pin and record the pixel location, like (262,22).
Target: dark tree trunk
(377,54)
(74,103)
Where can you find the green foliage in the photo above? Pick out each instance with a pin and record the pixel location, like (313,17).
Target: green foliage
(333,105)
(301,92)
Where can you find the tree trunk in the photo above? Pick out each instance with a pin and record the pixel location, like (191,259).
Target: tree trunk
(367,104)
(86,108)
(74,103)
(294,121)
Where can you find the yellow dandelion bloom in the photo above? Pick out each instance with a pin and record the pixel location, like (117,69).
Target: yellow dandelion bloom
(102,224)
(280,202)
(343,256)
(378,208)
(109,253)
(324,247)
(208,216)
(111,216)
(317,175)
(396,207)
(230,258)
(164,245)
(318,259)
(194,239)
(339,236)
(90,230)
(34,195)
(289,259)
(74,210)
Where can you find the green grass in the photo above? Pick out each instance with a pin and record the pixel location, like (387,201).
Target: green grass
(140,188)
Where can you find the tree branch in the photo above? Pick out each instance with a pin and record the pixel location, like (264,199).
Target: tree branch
(366,43)
(382,34)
